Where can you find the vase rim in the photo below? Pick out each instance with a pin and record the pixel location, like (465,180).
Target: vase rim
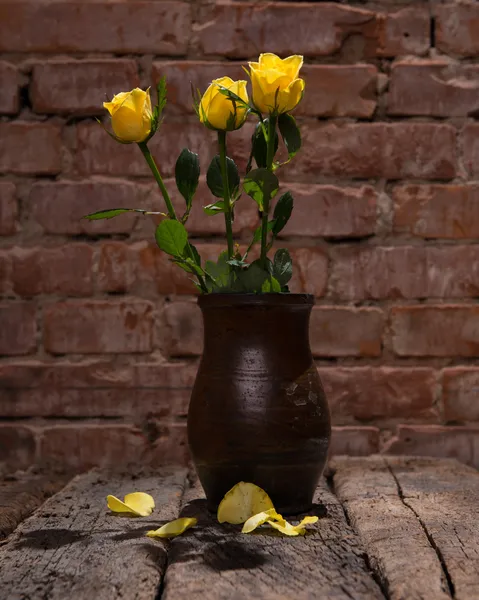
(245,299)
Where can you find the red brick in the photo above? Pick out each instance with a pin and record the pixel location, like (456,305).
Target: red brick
(201,224)
(98,153)
(461,443)
(457,28)
(18,328)
(450,330)
(64,270)
(406,272)
(354,441)
(112,26)
(87,445)
(243,29)
(460,393)
(330,211)
(30,148)
(406,31)
(376,150)
(433,88)
(185,329)
(310,270)
(5,272)
(332,90)
(8,208)
(346,331)
(17,447)
(95,389)
(368,393)
(98,326)
(470,148)
(58,207)
(9,90)
(437,211)
(80,87)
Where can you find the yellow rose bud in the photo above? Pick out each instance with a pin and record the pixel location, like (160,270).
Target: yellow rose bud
(276,85)
(220,112)
(131,115)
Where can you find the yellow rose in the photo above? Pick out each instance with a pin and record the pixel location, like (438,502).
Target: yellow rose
(131,115)
(219,112)
(276,85)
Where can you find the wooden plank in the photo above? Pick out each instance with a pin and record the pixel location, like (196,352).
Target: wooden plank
(73,547)
(214,561)
(21,495)
(444,495)
(398,548)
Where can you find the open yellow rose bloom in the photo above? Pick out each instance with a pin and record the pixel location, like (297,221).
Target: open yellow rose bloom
(131,115)
(218,111)
(276,85)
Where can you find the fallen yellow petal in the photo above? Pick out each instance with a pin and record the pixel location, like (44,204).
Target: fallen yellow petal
(173,528)
(138,504)
(256,520)
(293,530)
(242,502)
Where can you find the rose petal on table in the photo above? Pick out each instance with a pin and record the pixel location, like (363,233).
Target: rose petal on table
(243,501)
(137,504)
(256,520)
(173,528)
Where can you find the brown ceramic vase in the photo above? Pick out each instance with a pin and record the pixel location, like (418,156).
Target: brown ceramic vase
(258,412)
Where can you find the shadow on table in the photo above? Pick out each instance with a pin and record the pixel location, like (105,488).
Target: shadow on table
(50,539)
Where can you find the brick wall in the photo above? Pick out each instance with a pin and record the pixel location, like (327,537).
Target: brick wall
(100,335)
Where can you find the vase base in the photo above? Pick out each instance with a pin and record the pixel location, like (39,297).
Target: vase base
(290,487)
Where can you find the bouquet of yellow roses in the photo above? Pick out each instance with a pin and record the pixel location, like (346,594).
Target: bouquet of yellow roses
(224,107)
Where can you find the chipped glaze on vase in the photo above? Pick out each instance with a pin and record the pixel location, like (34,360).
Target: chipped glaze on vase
(258,412)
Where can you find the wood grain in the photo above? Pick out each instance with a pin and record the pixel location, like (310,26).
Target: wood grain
(20,496)
(73,547)
(444,495)
(214,561)
(398,548)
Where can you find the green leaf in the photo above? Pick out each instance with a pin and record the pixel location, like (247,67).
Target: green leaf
(214,178)
(282,212)
(261,185)
(219,271)
(195,254)
(234,262)
(114,212)
(187,175)
(171,237)
(259,147)
(215,209)
(233,97)
(290,133)
(271,285)
(161,97)
(282,266)
(252,278)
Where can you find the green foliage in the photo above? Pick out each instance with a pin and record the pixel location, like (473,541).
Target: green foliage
(282,266)
(215,209)
(187,175)
(114,212)
(290,133)
(259,147)
(214,178)
(220,274)
(171,237)
(282,212)
(261,185)
(271,285)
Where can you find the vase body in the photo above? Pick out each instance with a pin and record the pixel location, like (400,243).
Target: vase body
(258,412)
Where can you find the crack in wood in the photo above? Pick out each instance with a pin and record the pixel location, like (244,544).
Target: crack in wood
(434,546)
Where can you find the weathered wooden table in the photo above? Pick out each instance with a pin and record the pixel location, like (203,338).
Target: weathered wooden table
(399,528)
